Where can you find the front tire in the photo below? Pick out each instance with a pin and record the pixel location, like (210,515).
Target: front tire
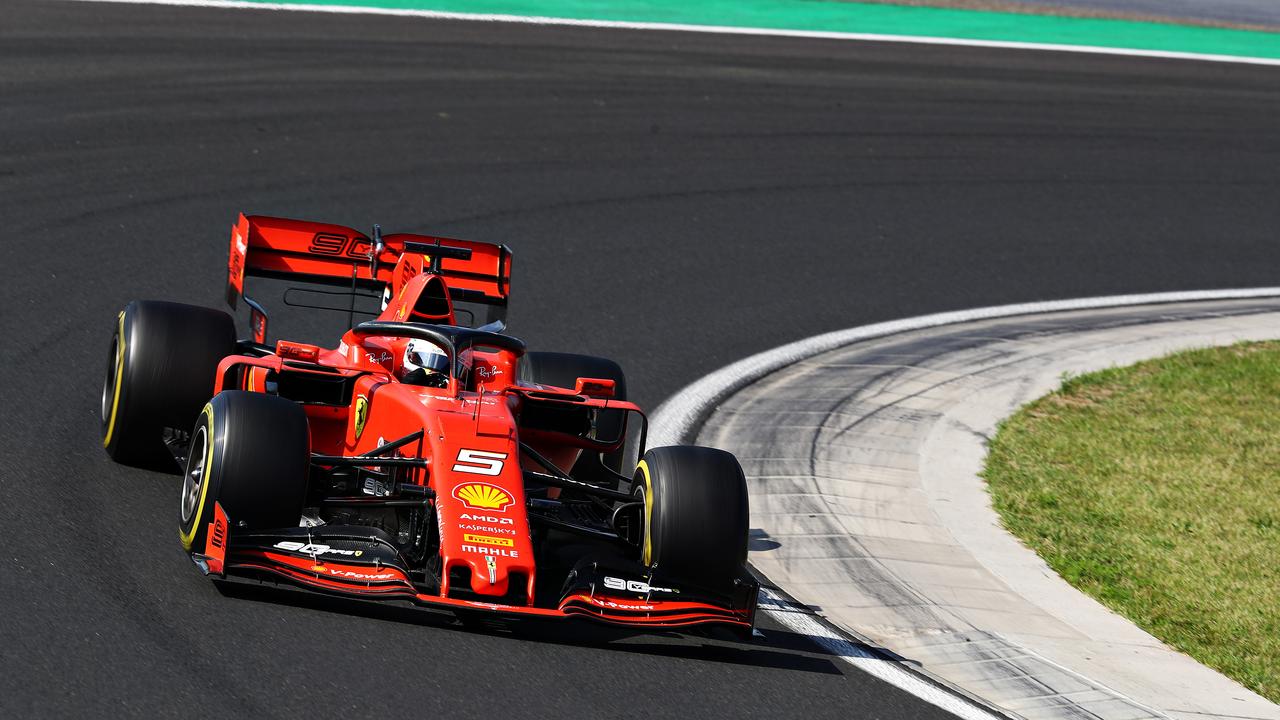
(696,515)
(251,453)
(160,371)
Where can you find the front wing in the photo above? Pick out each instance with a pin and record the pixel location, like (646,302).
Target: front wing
(347,561)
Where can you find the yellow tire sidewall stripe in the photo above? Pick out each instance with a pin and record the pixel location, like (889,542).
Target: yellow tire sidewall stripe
(647,556)
(188,536)
(115,395)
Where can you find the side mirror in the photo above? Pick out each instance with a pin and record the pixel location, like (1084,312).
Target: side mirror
(257,320)
(595,387)
(298,351)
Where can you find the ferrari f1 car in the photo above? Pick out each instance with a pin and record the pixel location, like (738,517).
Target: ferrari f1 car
(421,459)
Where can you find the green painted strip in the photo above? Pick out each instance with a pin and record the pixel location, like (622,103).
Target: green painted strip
(852,17)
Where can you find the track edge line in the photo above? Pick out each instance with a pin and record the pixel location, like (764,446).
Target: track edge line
(712,29)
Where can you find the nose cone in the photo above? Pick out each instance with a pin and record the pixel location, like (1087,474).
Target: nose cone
(480,503)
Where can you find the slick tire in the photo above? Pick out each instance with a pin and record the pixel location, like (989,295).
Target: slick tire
(696,515)
(563,370)
(160,371)
(251,453)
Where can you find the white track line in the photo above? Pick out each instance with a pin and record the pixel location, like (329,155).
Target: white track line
(716,29)
(888,671)
(679,417)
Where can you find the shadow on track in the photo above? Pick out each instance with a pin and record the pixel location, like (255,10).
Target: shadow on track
(780,649)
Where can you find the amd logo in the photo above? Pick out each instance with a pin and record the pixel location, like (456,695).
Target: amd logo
(491,519)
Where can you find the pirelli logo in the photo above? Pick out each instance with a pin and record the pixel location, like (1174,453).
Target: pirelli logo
(488,540)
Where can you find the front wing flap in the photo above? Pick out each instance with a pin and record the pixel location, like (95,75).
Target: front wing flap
(356,561)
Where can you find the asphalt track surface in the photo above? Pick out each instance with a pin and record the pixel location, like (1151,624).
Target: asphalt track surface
(676,201)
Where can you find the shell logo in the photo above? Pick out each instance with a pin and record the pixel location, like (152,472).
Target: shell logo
(482,496)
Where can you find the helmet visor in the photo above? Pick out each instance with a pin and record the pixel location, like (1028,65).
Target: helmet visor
(428,357)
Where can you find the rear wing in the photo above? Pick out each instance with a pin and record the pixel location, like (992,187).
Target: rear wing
(328,254)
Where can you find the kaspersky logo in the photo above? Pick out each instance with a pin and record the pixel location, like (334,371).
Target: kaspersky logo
(483,496)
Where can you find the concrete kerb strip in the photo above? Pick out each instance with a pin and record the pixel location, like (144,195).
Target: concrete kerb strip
(678,419)
(1109,652)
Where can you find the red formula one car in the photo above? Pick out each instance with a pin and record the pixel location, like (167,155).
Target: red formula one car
(421,459)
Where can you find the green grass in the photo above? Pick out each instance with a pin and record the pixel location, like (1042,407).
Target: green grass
(1155,488)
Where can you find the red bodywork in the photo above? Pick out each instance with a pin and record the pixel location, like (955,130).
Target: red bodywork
(471,432)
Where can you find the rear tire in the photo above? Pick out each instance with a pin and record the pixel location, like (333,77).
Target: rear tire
(563,370)
(251,453)
(160,371)
(696,515)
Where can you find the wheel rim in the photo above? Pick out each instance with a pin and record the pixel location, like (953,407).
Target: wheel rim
(193,480)
(109,383)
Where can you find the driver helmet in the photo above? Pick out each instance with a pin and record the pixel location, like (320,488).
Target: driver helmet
(424,363)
